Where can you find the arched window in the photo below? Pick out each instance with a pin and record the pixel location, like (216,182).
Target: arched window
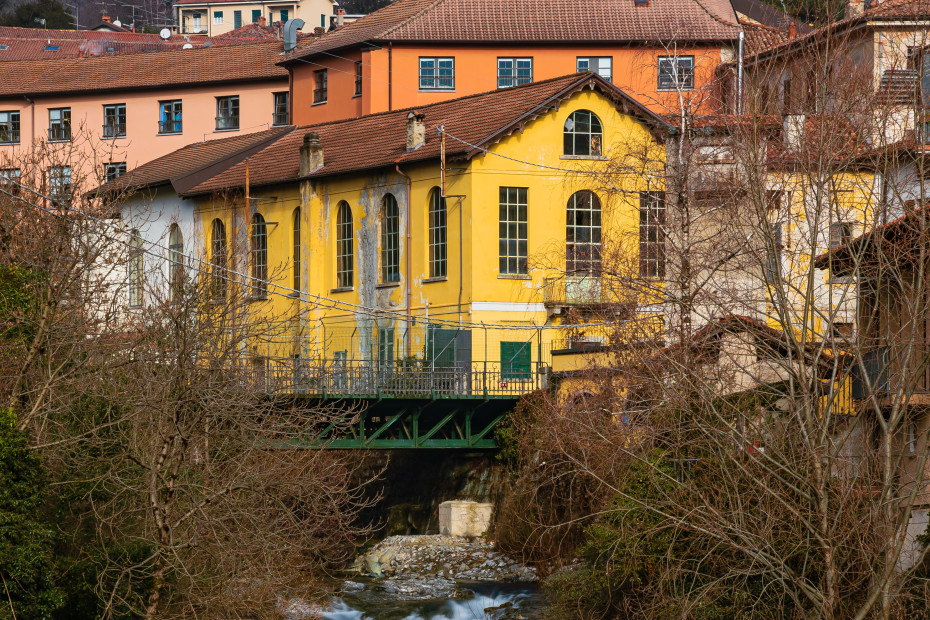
(175,261)
(218,260)
(259,251)
(296,263)
(390,240)
(583,134)
(437,234)
(583,233)
(344,246)
(135,269)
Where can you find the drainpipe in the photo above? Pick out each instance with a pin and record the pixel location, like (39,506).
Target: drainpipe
(408,345)
(390,76)
(739,77)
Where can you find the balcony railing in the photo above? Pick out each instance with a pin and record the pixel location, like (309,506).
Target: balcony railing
(398,379)
(319,95)
(279,118)
(8,135)
(571,290)
(114,130)
(169,126)
(59,133)
(227,122)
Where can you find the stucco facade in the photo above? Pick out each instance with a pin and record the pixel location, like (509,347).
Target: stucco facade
(217,18)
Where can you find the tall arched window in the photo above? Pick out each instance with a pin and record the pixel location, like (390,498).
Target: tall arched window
(218,260)
(583,233)
(390,240)
(135,269)
(344,246)
(296,264)
(437,234)
(175,262)
(583,134)
(259,251)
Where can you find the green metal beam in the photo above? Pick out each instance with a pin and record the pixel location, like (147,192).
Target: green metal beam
(385,426)
(436,428)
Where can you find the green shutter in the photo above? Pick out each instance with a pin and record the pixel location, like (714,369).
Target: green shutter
(284,16)
(256,13)
(515,360)
(237,19)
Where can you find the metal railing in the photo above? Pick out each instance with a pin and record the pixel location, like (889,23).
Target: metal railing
(169,126)
(59,133)
(114,130)
(227,122)
(9,135)
(279,118)
(399,379)
(577,290)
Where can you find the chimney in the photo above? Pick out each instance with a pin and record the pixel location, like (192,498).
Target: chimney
(416,130)
(262,21)
(105,19)
(855,8)
(792,30)
(340,17)
(311,154)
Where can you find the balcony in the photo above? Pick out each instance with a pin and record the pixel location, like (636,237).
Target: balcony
(59,133)
(170,126)
(226,123)
(393,379)
(114,130)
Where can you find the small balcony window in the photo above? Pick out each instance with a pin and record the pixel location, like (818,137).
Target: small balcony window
(114,120)
(169,116)
(227,113)
(59,125)
(280,116)
(320,91)
(9,127)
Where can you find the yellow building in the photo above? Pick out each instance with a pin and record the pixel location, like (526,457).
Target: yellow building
(439,249)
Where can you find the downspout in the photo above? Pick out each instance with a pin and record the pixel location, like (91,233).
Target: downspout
(390,76)
(408,344)
(32,107)
(739,76)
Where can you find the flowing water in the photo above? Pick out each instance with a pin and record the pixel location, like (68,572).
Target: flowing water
(524,597)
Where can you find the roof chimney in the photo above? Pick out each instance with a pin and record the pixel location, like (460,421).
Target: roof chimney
(311,154)
(416,130)
(792,30)
(105,18)
(340,17)
(290,33)
(855,8)
(262,21)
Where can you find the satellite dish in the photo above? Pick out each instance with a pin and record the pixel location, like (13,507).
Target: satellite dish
(187,46)
(165,34)
(207,43)
(117,23)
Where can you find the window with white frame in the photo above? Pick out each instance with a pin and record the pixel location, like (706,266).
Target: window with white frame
(676,73)
(514,71)
(9,179)
(345,238)
(437,73)
(512,225)
(390,240)
(59,183)
(135,269)
(9,127)
(601,65)
(114,120)
(217,18)
(59,124)
(583,233)
(437,234)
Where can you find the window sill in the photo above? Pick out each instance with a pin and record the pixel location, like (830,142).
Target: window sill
(674,90)
(357,95)
(8,143)
(169,133)
(318,103)
(587,157)
(514,276)
(58,141)
(437,279)
(343,289)
(123,137)
(225,130)
(388,285)
(254,298)
(437,90)
(294,295)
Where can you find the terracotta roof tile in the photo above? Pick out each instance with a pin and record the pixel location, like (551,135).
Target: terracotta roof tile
(760,38)
(536,21)
(379,140)
(192,67)
(36,43)
(191,159)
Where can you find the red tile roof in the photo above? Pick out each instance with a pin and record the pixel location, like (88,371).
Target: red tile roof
(379,140)
(759,38)
(175,168)
(537,21)
(193,67)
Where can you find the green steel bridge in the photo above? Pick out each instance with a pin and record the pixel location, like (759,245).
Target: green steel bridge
(402,404)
